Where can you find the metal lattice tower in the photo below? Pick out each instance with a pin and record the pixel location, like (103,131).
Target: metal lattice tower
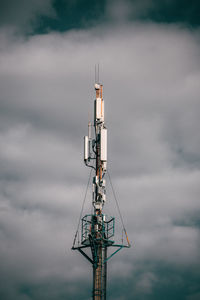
(97,229)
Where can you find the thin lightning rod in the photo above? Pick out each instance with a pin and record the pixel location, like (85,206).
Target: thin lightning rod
(98,72)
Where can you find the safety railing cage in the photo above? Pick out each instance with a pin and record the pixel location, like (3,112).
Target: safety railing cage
(92,224)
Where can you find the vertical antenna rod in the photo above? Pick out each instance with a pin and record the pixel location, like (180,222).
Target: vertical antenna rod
(96,70)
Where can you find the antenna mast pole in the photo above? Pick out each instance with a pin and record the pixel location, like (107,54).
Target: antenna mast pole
(99,196)
(97,229)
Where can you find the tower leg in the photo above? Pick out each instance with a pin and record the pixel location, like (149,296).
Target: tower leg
(99,275)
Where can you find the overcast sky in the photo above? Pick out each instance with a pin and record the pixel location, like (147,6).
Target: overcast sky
(149,56)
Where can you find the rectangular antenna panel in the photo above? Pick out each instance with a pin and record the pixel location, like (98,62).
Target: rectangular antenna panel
(102,110)
(86,150)
(99,109)
(103,156)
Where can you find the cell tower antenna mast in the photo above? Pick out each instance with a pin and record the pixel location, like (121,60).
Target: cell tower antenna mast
(97,229)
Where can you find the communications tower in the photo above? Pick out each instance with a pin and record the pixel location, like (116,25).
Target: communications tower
(97,229)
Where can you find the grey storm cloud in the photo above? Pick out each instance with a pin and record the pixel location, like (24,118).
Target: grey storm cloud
(150,75)
(23,14)
(122,10)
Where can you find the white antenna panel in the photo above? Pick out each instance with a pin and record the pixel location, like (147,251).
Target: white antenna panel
(86,150)
(103,156)
(99,109)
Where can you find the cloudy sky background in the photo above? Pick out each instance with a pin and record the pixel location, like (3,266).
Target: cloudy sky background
(149,55)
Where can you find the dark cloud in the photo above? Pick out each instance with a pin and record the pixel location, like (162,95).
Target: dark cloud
(35,17)
(159,11)
(22,15)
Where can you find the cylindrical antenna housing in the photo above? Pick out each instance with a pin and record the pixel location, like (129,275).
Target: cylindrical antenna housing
(86,148)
